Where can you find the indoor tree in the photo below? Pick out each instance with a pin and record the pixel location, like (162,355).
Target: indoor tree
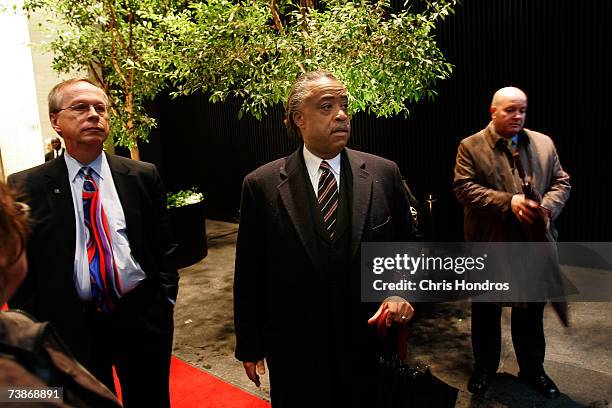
(254,49)
(251,49)
(111,40)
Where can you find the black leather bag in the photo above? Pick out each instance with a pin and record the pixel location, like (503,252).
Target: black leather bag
(401,385)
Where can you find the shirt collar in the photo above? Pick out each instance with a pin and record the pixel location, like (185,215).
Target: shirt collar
(495,138)
(314,162)
(74,166)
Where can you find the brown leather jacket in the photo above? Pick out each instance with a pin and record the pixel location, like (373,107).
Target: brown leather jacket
(33,356)
(485,181)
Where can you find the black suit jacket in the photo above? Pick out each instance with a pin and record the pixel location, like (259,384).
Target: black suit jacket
(51,156)
(280,279)
(48,291)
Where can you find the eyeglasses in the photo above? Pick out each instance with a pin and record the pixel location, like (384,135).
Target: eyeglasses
(82,108)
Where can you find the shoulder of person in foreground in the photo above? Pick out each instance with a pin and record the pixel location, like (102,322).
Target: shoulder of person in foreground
(32,355)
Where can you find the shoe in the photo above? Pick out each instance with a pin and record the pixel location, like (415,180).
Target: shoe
(542,383)
(480,381)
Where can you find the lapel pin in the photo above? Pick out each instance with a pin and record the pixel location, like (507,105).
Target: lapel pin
(56,190)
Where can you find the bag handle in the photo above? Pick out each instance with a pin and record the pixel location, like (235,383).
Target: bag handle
(402,335)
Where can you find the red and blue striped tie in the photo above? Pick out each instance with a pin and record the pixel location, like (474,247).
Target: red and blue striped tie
(103,274)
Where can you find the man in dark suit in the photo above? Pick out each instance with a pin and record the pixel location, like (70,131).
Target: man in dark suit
(297,277)
(56,149)
(98,255)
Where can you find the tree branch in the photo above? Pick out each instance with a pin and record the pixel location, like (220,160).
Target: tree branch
(303,11)
(379,8)
(113,21)
(299,64)
(277,21)
(111,28)
(99,79)
(130,51)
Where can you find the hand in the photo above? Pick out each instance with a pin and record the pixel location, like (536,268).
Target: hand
(400,311)
(524,209)
(253,369)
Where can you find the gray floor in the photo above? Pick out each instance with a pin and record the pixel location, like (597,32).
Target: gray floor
(579,359)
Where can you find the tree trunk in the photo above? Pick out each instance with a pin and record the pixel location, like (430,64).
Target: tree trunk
(129,102)
(109,147)
(134,153)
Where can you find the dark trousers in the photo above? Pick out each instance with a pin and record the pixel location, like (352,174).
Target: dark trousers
(527,336)
(341,378)
(137,339)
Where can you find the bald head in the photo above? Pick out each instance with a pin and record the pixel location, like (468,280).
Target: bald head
(508,92)
(508,111)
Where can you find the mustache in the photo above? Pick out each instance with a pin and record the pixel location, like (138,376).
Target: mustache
(343,128)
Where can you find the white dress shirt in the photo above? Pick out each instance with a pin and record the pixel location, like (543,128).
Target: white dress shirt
(313,164)
(130,273)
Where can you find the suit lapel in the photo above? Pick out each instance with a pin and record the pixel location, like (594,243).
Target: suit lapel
(127,188)
(362,195)
(293,191)
(59,195)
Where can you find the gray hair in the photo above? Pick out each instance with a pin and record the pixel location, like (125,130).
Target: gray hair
(299,91)
(57,93)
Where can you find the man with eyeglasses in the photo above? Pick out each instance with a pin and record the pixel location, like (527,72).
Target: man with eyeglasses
(98,256)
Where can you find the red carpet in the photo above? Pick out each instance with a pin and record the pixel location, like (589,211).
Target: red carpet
(191,387)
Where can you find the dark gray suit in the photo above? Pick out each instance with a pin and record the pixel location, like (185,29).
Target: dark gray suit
(142,323)
(296,294)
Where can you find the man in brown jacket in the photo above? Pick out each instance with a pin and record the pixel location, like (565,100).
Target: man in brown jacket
(488,184)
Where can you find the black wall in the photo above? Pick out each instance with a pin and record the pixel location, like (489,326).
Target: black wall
(553,49)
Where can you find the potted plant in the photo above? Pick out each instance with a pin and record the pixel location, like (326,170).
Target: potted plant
(187,221)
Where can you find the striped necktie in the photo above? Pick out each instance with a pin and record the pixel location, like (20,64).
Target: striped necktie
(328,198)
(103,274)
